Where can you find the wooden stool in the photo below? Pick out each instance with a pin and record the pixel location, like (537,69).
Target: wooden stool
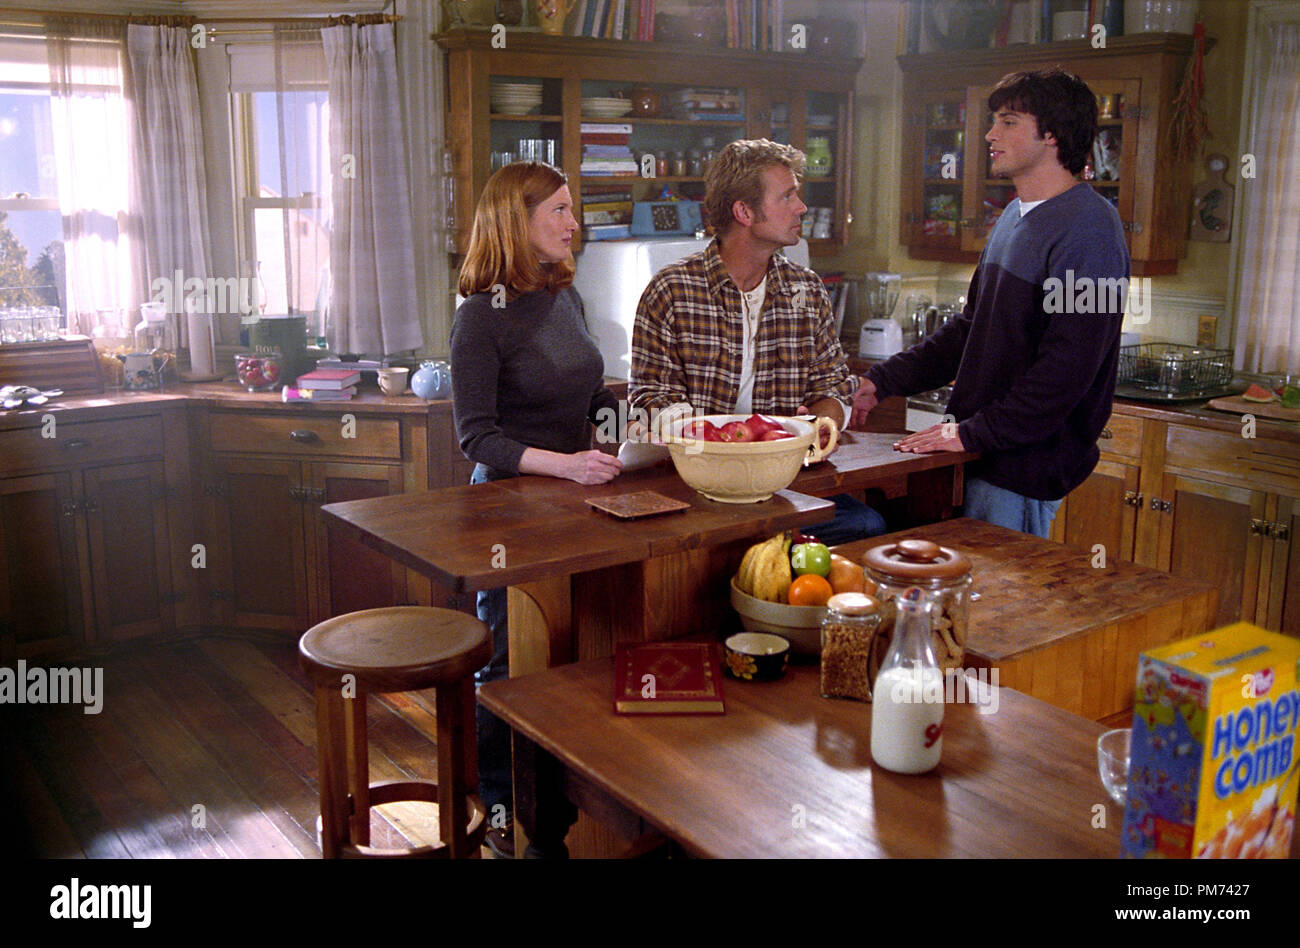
(403,648)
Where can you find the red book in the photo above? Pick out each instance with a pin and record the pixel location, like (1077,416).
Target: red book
(668,678)
(328,379)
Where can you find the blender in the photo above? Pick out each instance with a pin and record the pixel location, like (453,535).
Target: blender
(881,335)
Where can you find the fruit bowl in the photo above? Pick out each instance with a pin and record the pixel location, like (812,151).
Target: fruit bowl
(801,626)
(258,372)
(746,472)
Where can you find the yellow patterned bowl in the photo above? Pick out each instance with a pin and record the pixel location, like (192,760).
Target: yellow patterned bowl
(747,472)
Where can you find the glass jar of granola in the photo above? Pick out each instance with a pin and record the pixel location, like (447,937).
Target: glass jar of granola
(847,631)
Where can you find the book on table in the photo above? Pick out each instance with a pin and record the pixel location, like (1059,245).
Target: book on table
(329,379)
(668,678)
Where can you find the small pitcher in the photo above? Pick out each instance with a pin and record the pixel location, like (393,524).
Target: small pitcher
(551,13)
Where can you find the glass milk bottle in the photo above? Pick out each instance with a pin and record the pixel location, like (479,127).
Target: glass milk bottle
(907,699)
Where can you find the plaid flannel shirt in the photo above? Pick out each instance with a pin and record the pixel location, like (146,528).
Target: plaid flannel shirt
(689,333)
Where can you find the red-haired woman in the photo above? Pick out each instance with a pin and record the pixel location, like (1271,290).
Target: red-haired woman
(526,381)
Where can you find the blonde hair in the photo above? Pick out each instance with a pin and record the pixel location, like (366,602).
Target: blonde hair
(736,174)
(500,251)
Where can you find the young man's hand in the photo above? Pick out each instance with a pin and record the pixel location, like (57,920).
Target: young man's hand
(941,437)
(864,399)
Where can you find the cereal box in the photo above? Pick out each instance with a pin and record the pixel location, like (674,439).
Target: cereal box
(1212,770)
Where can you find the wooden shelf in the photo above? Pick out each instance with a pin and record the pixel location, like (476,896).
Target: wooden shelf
(502,117)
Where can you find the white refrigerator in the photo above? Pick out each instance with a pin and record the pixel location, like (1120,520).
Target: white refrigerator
(611,277)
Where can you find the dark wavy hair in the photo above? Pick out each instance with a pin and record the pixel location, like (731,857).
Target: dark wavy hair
(1063,105)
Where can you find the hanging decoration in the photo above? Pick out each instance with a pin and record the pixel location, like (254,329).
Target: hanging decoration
(1190,126)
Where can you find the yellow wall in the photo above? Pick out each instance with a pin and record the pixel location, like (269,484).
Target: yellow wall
(877,168)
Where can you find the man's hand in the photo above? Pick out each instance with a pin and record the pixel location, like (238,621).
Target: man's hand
(941,437)
(864,399)
(592,467)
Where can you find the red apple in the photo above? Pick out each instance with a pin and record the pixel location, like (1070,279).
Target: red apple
(701,430)
(737,431)
(761,425)
(780,434)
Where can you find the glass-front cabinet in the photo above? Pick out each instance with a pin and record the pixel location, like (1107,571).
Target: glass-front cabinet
(635,122)
(950,201)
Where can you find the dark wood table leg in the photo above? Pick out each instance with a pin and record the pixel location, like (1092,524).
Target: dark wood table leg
(541,807)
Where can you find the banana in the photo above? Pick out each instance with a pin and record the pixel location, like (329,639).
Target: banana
(772,575)
(745,575)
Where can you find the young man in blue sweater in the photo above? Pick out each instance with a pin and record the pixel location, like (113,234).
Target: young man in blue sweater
(1033,357)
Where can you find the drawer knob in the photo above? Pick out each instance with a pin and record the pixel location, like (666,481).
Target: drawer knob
(75,444)
(304,436)
(1106,434)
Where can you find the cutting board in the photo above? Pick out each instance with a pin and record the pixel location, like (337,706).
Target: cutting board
(1239,406)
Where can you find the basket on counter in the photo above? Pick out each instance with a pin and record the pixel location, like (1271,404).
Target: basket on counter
(1174,369)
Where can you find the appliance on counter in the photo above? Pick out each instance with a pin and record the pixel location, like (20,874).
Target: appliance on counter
(927,408)
(612,275)
(881,335)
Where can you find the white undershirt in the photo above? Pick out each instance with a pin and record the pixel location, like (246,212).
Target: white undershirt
(751,302)
(1027,206)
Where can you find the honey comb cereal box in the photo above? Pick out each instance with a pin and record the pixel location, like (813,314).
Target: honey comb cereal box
(1212,770)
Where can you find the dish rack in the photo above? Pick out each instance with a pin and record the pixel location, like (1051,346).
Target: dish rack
(1174,369)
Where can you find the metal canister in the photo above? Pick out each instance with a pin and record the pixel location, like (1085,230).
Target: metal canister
(941,572)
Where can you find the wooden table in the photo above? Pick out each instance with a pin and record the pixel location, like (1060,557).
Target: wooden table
(1056,626)
(786,773)
(581,581)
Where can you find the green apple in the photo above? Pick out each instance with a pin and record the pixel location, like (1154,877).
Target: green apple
(812,558)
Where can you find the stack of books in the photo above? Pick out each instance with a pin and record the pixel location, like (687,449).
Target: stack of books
(702,102)
(606,151)
(610,207)
(615,19)
(757,24)
(324,385)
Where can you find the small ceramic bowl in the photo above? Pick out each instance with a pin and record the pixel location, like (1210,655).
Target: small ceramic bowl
(756,656)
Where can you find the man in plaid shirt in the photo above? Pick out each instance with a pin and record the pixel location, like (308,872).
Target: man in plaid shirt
(738,328)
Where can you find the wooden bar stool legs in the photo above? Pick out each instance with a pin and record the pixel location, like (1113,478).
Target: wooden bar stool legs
(405,648)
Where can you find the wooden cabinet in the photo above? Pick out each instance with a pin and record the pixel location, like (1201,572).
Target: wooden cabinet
(949,203)
(88,547)
(1104,509)
(790,97)
(273,562)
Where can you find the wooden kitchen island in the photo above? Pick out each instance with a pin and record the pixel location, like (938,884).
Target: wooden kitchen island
(581,581)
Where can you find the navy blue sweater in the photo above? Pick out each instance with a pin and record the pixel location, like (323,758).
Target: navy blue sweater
(1034,353)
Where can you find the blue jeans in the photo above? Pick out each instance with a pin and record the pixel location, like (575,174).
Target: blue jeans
(1004,508)
(853,520)
(495,784)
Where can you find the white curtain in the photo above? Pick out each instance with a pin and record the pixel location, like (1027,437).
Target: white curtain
(1268,282)
(169,153)
(91,121)
(374,306)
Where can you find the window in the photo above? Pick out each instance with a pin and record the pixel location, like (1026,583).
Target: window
(283,176)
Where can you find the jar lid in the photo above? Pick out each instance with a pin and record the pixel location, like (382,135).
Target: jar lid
(917,559)
(852,604)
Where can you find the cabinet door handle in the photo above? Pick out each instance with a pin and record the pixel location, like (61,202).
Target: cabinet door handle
(1132,498)
(1106,434)
(75,444)
(1259,528)
(1279,531)
(304,436)
(90,505)
(69,509)
(1164,506)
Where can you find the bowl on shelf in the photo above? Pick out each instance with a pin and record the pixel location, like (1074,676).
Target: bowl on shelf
(258,371)
(748,472)
(606,107)
(756,656)
(801,626)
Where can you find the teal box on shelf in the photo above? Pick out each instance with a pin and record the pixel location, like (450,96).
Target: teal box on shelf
(288,334)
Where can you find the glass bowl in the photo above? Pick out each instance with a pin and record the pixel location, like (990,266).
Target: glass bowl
(1112,763)
(259,371)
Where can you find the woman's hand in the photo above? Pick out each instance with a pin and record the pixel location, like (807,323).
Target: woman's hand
(592,467)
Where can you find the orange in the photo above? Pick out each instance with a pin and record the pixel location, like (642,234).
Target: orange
(845,575)
(809,590)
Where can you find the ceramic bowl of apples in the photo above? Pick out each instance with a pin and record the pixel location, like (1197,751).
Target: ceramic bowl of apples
(739,459)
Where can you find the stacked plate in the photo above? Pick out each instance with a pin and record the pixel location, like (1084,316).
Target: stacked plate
(601,107)
(516,98)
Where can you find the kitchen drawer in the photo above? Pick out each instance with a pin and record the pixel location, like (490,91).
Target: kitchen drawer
(80,443)
(306,435)
(1122,437)
(1224,457)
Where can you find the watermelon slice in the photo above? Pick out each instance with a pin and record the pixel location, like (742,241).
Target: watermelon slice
(1257,393)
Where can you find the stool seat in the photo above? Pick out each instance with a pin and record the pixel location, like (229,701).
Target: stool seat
(399,648)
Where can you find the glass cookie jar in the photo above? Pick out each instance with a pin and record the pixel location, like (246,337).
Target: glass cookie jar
(939,571)
(847,630)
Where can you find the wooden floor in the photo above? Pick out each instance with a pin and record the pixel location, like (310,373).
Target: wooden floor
(202,749)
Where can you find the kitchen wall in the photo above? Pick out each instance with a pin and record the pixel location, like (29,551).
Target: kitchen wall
(1200,286)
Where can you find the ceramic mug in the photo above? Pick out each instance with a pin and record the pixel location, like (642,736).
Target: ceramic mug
(392,380)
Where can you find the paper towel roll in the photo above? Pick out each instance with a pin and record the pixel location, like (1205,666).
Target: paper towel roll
(198,327)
